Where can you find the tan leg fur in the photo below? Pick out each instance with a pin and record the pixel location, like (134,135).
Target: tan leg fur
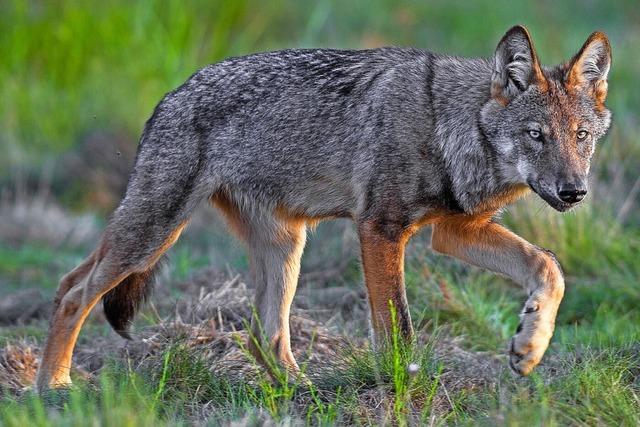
(383,263)
(481,242)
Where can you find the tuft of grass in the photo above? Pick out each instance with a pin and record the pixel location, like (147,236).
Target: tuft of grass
(402,375)
(181,376)
(594,388)
(118,400)
(277,387)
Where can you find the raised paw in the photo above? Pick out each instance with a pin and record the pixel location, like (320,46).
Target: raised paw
(530,341)
(523,360)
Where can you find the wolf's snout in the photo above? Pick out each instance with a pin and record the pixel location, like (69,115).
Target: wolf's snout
(572,192)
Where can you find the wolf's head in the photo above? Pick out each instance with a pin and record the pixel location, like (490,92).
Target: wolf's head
(544,123)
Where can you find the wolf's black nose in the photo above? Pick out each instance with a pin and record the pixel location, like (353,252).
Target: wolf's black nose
(572,193)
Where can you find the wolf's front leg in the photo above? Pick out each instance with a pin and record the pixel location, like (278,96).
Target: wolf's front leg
(479,241)
(383,263)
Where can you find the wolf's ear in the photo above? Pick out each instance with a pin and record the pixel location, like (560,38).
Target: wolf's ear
(588,70)
(515,66)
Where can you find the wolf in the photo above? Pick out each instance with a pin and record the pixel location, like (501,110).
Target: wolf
(393,138)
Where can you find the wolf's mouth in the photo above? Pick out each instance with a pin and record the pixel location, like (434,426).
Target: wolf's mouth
(550,197)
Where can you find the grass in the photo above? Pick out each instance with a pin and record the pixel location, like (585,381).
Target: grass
(71,69)
(596,390)
(119,400)
(172,385)
(588,387)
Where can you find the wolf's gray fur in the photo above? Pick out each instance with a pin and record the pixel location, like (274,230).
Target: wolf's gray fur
(385,135)
(332,133)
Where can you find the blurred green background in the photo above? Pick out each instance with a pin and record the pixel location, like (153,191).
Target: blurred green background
(70,68)
(78,80)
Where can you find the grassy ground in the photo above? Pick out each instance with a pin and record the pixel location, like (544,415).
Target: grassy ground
(67,81)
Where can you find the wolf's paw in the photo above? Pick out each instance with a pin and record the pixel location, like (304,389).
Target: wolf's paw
(530,341)
(522,357)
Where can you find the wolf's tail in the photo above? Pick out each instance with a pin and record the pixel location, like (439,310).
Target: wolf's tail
(122,302)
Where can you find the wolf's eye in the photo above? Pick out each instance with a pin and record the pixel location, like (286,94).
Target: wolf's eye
(535,134)
(582,134)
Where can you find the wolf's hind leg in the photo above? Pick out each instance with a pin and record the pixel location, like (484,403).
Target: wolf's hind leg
(275,244)
(275,248)
(148,221)
(481,242)
(77,295)
(79,292)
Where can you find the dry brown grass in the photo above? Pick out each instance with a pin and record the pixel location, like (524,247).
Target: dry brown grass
(18,366)
(210,319)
